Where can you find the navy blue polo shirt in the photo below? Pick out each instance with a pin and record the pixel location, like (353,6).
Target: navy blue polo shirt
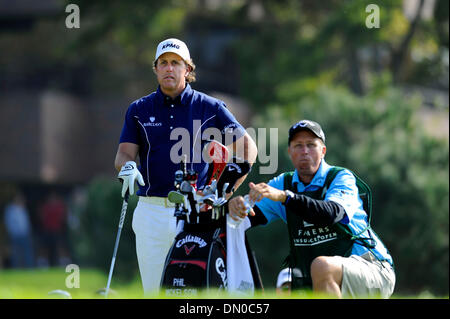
(166,128)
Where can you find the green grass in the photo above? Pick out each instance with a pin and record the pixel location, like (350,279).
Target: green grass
(37,283)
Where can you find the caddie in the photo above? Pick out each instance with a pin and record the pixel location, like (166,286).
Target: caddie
(159,127)
(331,241)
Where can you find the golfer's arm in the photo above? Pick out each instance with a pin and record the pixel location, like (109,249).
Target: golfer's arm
(245,148)
(125,152)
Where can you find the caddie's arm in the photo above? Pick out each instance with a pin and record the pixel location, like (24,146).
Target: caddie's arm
(245,148)
(315,211)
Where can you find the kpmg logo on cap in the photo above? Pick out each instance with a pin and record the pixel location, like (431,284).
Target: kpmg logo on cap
(175,46)
(170,45)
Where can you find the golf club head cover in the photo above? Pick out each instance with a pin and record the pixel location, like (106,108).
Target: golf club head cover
(217,157)
(233,171)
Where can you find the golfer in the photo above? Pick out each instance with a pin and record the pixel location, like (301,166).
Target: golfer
(151,131)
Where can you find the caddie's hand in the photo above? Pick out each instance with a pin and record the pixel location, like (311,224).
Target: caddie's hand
(237,209)
(129,174)
(258,191)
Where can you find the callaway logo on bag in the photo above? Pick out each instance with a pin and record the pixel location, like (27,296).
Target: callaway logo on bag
(188,250)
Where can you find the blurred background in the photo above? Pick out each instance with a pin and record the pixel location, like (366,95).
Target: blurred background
(380,94)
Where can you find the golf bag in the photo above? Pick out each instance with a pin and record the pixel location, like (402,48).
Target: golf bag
(197,259)
(198,256)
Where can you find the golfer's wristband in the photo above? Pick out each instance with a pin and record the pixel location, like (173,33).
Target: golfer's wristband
(258,219)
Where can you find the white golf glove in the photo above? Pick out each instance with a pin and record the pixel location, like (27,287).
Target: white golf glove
(128,174)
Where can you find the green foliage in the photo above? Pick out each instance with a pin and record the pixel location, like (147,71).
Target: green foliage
(99,221)
(307,42)
(382,140)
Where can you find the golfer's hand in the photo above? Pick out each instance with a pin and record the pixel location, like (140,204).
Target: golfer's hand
(237,209)
(129,174)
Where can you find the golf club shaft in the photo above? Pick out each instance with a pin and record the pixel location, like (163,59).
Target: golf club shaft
(116,246)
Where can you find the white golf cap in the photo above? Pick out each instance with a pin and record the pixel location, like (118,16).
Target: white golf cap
(175,46)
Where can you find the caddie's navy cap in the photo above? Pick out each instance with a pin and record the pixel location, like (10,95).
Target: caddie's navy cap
(311,126)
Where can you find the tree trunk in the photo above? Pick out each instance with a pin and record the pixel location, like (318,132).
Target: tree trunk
(398,56)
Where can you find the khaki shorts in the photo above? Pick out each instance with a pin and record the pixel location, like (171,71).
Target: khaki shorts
(364,276)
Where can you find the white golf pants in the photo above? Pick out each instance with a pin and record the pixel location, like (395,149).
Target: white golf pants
(155,229)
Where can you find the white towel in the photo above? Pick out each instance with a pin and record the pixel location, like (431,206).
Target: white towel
(240,279)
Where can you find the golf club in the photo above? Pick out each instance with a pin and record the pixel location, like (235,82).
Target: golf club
(116,245)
